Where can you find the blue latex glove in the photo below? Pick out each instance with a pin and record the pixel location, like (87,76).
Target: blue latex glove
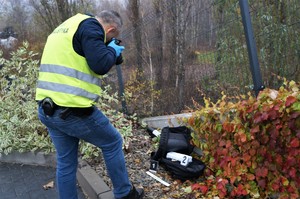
(117,48)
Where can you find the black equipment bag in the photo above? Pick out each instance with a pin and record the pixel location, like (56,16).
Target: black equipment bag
(177,139)
(192,171)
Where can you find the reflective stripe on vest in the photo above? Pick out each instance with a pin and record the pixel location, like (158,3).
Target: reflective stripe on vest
(66,89)
(50,68)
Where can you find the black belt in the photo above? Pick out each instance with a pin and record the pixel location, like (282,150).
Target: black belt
(49,108)
(80,112)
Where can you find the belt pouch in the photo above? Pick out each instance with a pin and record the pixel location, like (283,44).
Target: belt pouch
(48,106)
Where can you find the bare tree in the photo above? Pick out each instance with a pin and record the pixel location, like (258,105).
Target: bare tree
(64,9)
(50,13)
(170,21)
(180,50)
(178,13)
(45,14)
(136,21)
(158,45)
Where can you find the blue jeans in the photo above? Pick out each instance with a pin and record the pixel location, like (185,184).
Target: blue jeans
(95,129)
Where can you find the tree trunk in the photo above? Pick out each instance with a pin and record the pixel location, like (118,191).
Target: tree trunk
(137,35)
(171,45)
(180,51)
(63,9)
(158,48)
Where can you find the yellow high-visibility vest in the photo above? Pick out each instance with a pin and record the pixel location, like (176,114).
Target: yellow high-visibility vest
(64,75)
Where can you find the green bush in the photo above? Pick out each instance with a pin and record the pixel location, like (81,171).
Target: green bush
(252,147)
(20,128)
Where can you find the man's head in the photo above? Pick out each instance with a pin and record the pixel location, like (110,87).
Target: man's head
(111,22)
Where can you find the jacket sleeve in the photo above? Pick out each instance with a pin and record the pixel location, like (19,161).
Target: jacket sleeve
(89,41)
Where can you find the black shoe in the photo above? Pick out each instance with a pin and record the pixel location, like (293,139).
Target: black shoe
(135,193)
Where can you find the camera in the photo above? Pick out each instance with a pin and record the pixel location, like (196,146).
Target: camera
(120,58)
(117,41)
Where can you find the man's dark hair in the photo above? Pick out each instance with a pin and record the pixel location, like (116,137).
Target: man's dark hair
(111,16)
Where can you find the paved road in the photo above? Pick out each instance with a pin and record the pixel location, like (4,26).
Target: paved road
(19,181)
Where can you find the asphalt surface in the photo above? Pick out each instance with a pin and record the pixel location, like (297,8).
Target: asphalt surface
(20,181)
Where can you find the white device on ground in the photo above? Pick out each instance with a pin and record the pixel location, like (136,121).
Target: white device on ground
(158,179)
(183,158)
(156,133)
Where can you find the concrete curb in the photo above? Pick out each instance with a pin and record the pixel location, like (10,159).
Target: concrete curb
(88,179)
(166,120)
(91,183)
(30,158)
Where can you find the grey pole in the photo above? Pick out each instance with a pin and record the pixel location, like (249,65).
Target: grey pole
(121,89)
(251,45)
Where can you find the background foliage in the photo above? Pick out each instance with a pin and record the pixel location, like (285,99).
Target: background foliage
(182,48)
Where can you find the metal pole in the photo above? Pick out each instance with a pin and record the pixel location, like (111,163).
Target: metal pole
(121,89)
(251,45)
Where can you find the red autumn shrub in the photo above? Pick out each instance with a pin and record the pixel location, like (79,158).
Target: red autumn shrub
(253,146)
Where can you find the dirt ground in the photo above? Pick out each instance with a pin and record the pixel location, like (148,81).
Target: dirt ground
(138,163)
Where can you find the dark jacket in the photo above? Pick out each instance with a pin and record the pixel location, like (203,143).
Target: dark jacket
(89,42)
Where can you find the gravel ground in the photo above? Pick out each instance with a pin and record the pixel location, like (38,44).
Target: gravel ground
(138,162)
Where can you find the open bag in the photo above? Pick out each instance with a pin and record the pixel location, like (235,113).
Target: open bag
(177,139)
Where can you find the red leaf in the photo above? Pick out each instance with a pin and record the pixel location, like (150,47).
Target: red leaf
(264,116)
(254,130)
(274,133)
(273,114)
(278,126)
(275,186)
(252,152)
(203,189)
(290,161)
(228,144)
(295,143)
(243,137)
(246,157)
(290,189)
(255,144)
(232,178)
(293,172)
(278,159)
(228,127)
(290,100)
(250,109)
(262,183)
(264,172)
(292,124)
(262,151)
(195,186)
(261,172)
(264,139)
(295,115)
(250,176)
(257,117)
(241,190)
(222,143)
